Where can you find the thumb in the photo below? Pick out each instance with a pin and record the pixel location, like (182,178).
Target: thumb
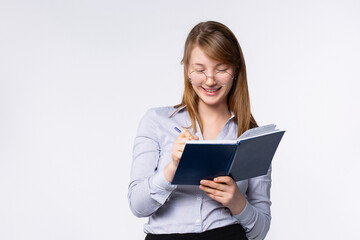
(195,137)
(185,134)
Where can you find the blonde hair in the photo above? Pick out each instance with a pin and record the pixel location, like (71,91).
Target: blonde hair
(219,43)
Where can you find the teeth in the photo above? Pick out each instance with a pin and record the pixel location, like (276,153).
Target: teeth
(211,90)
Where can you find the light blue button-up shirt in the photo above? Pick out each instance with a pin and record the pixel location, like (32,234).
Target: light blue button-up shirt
(185,209)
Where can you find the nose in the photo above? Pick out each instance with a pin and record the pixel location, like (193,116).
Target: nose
(210,80)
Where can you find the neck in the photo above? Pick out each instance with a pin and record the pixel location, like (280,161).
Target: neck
(213,113)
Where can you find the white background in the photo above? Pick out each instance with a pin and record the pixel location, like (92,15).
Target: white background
(77,76)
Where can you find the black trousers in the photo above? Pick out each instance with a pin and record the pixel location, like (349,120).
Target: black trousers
(231,232)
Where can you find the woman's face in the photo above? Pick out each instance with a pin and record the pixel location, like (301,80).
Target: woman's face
(211,80)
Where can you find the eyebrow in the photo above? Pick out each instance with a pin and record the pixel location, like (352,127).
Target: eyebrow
(202,65)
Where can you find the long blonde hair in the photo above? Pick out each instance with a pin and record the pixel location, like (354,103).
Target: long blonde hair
(219,43)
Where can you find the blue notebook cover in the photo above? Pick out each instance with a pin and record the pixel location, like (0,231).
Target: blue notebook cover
(242,159)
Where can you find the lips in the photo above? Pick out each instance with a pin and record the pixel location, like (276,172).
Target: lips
(211,91)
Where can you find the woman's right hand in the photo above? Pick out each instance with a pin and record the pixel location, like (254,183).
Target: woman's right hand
(179,145)
(177,150)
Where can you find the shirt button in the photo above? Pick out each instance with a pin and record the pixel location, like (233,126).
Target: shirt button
(197,221)
(198,198)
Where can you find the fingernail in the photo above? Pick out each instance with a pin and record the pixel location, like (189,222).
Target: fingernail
(202,182)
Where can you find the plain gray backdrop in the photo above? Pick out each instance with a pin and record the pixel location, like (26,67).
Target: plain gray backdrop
(77,76)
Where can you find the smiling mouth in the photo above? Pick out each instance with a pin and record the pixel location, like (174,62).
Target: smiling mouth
(212,91)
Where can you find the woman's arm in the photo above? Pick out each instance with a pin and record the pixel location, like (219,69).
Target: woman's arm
(256,216)
(253,212)
(148,188)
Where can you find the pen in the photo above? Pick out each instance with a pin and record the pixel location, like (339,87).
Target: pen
(178,130)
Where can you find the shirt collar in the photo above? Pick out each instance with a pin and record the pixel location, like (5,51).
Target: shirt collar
(179,109)
(232,115)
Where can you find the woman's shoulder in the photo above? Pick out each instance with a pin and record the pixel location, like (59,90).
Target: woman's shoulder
(157,117)
(160,112)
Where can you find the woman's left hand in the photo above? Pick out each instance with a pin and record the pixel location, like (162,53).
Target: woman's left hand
(225,191)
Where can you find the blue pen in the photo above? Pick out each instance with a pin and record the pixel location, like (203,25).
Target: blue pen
(178,130)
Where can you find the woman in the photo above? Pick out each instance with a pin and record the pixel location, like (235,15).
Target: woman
(215,105)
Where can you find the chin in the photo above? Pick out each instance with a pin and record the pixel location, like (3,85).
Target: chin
(212,102)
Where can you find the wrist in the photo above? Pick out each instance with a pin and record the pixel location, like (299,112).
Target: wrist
(238,208)
(169,171)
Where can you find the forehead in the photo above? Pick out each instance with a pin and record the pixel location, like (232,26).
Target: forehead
(198,56)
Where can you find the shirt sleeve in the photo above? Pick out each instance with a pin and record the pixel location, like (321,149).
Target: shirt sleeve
(256,216)
(148,189)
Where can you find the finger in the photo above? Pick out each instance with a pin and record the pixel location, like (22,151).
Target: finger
(185,134)
(178,155)
(216,198)
(212,191)
(180,150)
(195,137)
(181,140)
(212,184)
(224,179)
(179,146)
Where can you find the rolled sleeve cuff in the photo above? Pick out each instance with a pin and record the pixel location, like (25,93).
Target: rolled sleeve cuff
(246,217)
(160,188)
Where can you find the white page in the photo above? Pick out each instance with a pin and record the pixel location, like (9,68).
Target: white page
(247,134)
(257,131)
(212,142)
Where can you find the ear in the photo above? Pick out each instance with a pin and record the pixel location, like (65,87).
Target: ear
(237,71)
